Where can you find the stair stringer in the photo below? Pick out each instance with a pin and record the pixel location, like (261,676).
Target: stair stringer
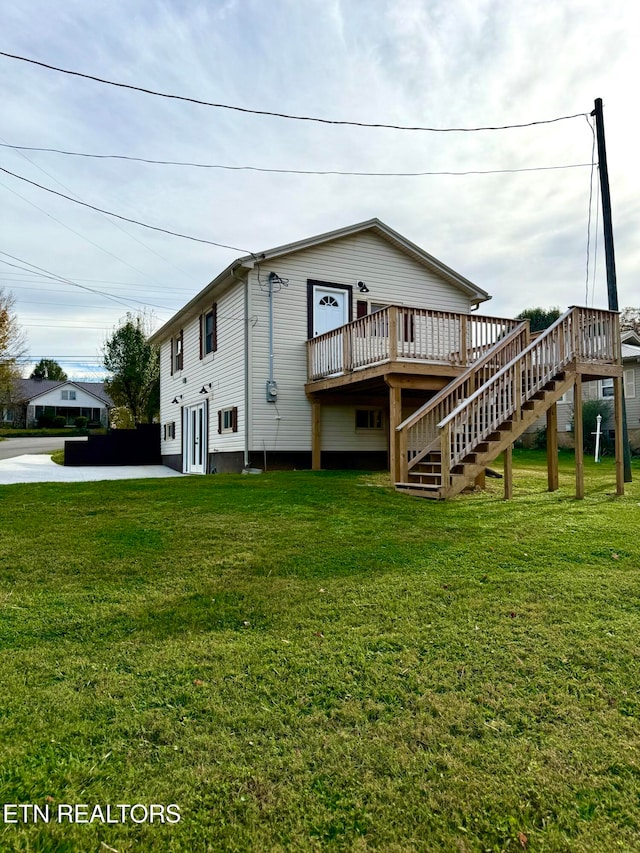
(514,429)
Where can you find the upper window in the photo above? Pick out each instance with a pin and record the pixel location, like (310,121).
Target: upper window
(177,354)
(209,331)
(68,395)
(607,387)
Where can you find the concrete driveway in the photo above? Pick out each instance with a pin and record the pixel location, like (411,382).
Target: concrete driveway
(20,445)
(40,469)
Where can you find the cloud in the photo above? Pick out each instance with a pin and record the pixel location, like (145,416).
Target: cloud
(462,63)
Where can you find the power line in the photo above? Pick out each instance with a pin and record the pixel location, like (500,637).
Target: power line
(282,115)
(124,218)
(115,224)
(48,274)
(290,171)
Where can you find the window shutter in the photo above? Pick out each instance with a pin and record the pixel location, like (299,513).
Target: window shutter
(219,420)
(171,354)
(214,309)
(181,365)
(234,419)
(201,323)
(362,308)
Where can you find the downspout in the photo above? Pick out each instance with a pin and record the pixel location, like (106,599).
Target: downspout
(246,370)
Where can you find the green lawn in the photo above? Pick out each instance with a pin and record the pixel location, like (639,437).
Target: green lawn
(313,662)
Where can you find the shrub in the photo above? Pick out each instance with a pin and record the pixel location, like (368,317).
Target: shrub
(46,420)
(81,421)
(59,422)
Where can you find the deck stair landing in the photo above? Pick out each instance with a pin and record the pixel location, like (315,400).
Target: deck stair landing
(449,441)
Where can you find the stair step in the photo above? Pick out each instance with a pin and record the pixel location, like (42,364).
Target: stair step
(421,491)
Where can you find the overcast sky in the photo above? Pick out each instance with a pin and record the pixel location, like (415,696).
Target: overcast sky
(440,63)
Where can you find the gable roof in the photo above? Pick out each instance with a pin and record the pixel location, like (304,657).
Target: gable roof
(475,293)
(630,336)
(30,389)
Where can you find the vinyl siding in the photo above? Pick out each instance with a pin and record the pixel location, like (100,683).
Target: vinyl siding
(224,369)
(392,278)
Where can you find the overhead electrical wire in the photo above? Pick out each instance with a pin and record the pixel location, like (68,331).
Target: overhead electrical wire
(117,225)
(273,114)
(48,274)
(184,163)
(125,218)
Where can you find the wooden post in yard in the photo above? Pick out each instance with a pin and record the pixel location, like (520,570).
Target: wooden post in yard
(445,453)
(395,419)
(618,387)
(578,436)
(552,448)
(316,435)
(508,473)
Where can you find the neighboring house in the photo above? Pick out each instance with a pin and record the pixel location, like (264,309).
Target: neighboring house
(602,389)
(31,398)
(356,348)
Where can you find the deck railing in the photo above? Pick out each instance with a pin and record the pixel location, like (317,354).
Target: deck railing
(400,332)
(581,334)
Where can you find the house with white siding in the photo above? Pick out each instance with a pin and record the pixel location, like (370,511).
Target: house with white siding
(347,349)
(32,399)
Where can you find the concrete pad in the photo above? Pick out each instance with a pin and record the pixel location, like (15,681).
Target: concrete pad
(41,469)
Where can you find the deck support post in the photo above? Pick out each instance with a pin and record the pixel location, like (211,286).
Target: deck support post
(508,472)
(316,436)
(578,436)
(619,428)
(552,448)
(481,479)
(393,333)
(395,419)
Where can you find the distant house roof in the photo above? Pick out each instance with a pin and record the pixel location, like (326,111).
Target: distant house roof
(629,351)
(30,389)
(476,294)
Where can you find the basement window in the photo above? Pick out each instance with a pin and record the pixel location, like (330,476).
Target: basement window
(368,418)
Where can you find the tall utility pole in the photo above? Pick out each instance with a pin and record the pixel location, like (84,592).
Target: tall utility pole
(610,259)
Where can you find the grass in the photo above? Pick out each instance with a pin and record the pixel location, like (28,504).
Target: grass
(313,662)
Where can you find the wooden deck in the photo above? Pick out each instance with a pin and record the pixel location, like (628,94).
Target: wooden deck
(483,379)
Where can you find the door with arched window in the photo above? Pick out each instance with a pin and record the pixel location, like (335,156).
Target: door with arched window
(330,309)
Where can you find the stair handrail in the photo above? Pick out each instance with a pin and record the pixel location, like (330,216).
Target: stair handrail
(572,349)
(452,386)
(503,370)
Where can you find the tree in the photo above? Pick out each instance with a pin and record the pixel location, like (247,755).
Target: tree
(48,368)
(630,319)
(12,343)
(539,318)
(134,368)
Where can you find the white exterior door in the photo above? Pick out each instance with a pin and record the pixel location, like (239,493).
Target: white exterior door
(194,432)
(330,309)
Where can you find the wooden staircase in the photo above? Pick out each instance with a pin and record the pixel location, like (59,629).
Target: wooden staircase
(449,441)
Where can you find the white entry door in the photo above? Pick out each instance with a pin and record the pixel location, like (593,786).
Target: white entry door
(194,450)
(330,309)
